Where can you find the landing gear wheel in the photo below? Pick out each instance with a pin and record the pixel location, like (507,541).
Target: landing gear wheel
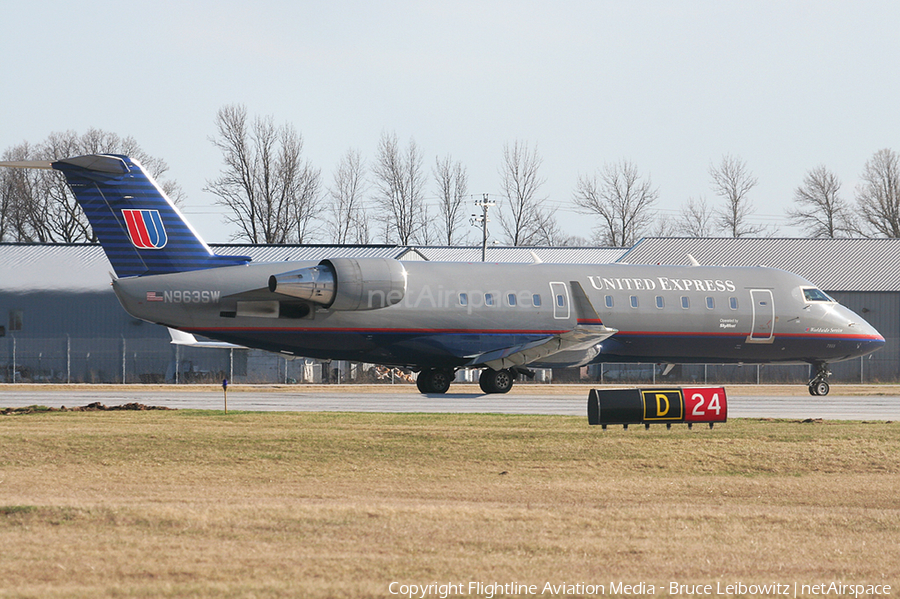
(433,380)
(819,388)
(496,381)
(440,380)
(422,381)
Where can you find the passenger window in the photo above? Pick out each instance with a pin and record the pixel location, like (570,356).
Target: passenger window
(560,300)
(463,299)
(609,301)
(732,302)
(660,302)
(710,303)
(536,300)
(685,302)
(511,298)
(488,299)
(634,301)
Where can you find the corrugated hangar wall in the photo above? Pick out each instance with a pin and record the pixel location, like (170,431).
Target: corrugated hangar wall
(881,309)
(54,336)
(60,321)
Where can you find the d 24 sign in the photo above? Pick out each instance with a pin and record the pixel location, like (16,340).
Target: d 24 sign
(705,404)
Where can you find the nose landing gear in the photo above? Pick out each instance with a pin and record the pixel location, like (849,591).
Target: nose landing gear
(819,385)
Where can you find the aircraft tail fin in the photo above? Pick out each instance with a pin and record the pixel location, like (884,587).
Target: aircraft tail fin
(140,229)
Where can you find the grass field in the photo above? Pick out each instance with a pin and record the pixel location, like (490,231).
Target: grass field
(203,504)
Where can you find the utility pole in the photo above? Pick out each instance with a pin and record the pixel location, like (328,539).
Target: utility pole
(483,220)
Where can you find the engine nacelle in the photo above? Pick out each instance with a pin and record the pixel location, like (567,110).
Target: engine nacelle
(346,283)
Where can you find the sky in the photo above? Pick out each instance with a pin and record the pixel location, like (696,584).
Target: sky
(670,86)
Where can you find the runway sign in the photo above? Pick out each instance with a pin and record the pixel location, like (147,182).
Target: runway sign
(663,405)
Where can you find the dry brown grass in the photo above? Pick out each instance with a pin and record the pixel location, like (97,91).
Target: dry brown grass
(197,504)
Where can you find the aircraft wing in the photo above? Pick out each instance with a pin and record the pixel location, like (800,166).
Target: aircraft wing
(582,338)
(588,332)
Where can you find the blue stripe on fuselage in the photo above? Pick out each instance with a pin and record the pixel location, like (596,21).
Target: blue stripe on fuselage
(450,347)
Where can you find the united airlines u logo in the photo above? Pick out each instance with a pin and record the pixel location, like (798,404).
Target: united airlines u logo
(145,227)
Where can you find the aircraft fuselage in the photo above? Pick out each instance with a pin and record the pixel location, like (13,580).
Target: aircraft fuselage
(450,313)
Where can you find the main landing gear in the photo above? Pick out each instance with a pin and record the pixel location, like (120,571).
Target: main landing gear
(437,380)
(818,385)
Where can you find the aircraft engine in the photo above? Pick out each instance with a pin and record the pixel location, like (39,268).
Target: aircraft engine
(345,283)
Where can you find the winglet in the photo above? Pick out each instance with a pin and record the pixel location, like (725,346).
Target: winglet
(584,309)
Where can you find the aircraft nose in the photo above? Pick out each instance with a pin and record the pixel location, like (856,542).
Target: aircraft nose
(876,338)
(868,337)
(873,343)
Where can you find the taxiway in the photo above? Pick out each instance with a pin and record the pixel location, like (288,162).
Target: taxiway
(743,402)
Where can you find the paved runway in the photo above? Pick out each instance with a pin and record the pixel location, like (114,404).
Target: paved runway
(349,398)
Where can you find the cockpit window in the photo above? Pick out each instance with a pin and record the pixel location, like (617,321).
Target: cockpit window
(811,294)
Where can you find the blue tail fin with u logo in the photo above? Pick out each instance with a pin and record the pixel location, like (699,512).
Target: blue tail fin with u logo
(140,229)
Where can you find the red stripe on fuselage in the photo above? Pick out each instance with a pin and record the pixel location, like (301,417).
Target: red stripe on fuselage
(528,332)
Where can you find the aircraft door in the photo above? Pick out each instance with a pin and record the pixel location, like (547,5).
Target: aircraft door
(559,295)
(762,323)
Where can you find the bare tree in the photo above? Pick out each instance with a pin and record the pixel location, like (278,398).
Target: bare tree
(546,231)
(662,226)
(571,241)
(623,201)
(526,213)
(18,196)
(878,196)
(39,206)
(400,185)
(819,209)
(732,181)
(695,219)
(348,223)
(302,183)
(58,203)
(453,183)
(272,193)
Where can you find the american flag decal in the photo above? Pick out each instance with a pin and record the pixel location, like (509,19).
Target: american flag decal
(154,296)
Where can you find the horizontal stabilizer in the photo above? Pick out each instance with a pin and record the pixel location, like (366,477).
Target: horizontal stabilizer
(43,164)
